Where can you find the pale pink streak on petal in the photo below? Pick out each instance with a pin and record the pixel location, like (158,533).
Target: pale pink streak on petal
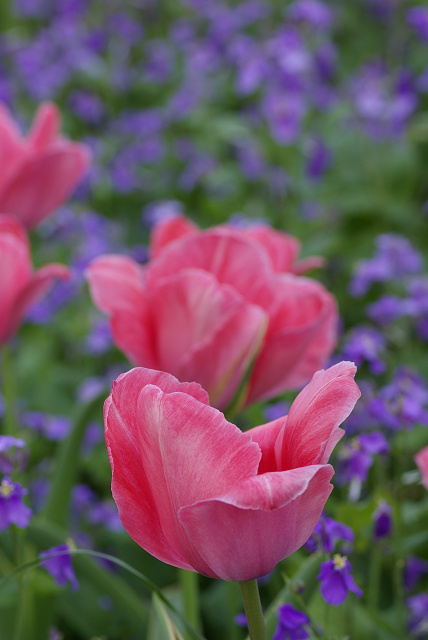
(258,522)
(169,230)
(312,427)
(46,127)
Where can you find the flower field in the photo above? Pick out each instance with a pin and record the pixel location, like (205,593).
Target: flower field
(213,320)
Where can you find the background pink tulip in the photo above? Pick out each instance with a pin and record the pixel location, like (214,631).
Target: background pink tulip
(209,307)
(421,459)
(20,286)
(197,493)
(37,173)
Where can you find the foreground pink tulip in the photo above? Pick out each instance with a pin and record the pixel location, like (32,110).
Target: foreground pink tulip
(210,307)
(37,173)
(281,248)
(197,493)
(421,459)
(20,286)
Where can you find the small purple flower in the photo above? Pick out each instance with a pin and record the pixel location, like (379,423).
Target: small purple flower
(291,623)
(12,507)
(364,344)
(241,620)
(13,453)
(387,309)
(313,12)
(276,410)
(336,580)
(60,566)
(382,518)
(53,427)
(414,569)
(326,533)
(356,457)
(319,159)
(99,339)
(418,621)
(417,17)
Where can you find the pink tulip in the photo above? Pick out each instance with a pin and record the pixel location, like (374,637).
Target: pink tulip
(421,459)
(37,173)
(20,286)
(281,249)
(197,493)
(211,307)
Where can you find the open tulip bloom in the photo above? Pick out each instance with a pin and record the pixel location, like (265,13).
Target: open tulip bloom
(215,307)
(37,173)
(197,493)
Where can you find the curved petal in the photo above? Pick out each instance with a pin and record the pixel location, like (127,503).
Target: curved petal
(46,127)
(36,287)
(301,335)
(231,259)
(115,283)
(312,427)
(11,144)
(266,436)
(281,248)
(205,331)
(421,459)
(15,272)
(259,522)
(29,196)
(166,231)
(167,449)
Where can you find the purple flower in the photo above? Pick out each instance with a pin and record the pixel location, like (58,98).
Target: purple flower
(387,309)
(291,623)
(394,259)
(284,113)
(87,106)
(417,17)
(336,580)
(52,427)
(414,569)
(319,159)
(60,566)
(276,410)
(418,621)
(356,457)
(402,403)
(382,518)
(326,533)
(12,508)
(313,12)
(99,338)
(13,454)
(364,344)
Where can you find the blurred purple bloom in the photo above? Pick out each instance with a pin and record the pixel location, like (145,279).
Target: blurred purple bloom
(418,620)
(394,259)
(355,457)
(284,113)
(326,533)
(417,17)
(87,106)
(291,623)
(317,14)
(363,344)
(414,569)
(387,309)
(241,620)
(106,515)
(382,518)
(276,410)
(60,567)
(402,403)
(52,427)
(12,507)
(160,61)
(336,580)
(319,159)
(94,434)
(13,454)
(99,339)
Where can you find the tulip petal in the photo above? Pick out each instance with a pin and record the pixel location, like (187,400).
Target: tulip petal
(205,332)
(46,127)
(26,192)
(281,248)
(222,254)
(15,271)
(266,436)
(11,143)
(312,427)
(166,450)
(243,535)
(166,231)
(300,336)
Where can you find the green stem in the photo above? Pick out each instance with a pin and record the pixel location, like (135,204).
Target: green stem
(253,610)
(231,595)
(8,391)
(190,591)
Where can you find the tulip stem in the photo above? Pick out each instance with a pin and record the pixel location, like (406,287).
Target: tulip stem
(190,592)
(253,610)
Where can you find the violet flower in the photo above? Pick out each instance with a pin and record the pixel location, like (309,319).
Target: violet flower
(326,533)
(336,580)
(12,507)
(60,566)
(291,623)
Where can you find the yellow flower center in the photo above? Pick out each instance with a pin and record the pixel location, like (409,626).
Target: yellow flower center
(339,561)
(6,488)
